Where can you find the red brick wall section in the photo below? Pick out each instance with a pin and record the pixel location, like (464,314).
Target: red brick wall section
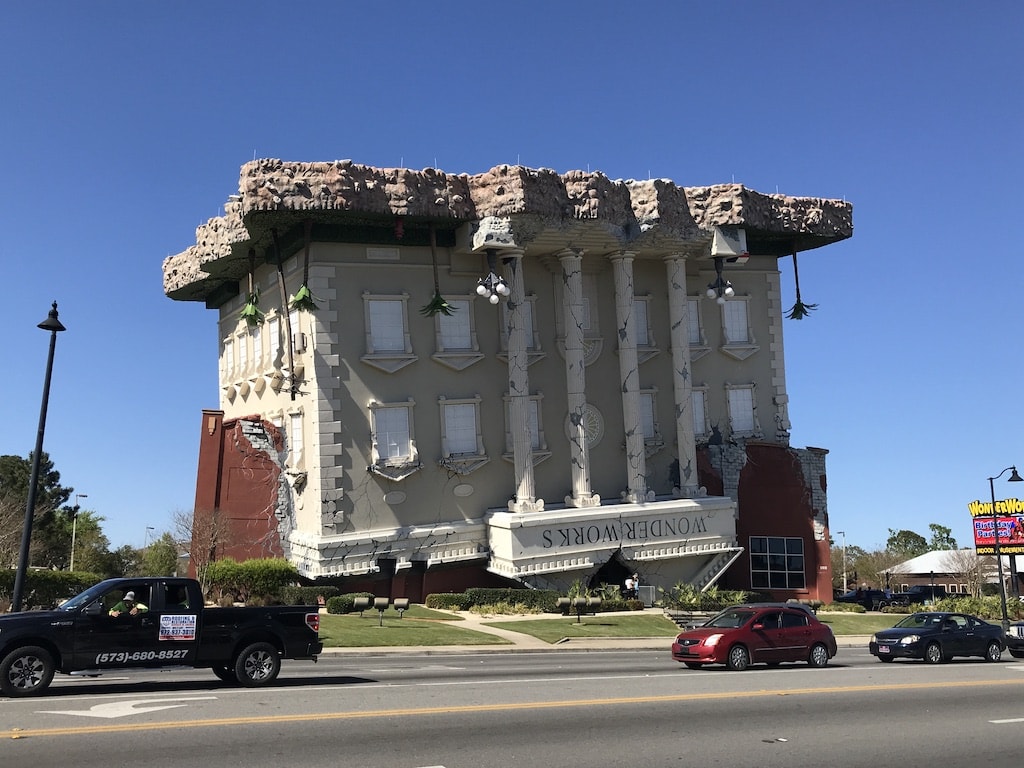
(239,472)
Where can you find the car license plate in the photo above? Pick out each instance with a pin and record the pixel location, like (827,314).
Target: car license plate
(883,649)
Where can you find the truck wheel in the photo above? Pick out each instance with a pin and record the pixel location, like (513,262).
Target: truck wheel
(227,674)
(26,671)
(258,664)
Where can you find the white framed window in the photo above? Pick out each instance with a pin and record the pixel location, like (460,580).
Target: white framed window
(695,329)
(392,440)
(699,406)
(455,336)
(462,440)
(229,358)
(243,352)
(274,337)
(535,423)
(645,346)
(533,348)
(299,338)
(648,413)
(738,335)
(388,344)
(742,410)
(256,334)
(295,440)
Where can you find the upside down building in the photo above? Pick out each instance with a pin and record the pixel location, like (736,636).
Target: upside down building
(429,381)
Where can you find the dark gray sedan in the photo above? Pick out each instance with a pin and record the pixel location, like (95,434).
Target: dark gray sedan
(938,636)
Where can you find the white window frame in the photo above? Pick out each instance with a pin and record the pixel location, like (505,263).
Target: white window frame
(742,424)
(393,467)
(229,358)
(653,441)
(533,348)
(274,332)
(296,442)
(695,330)
(461,462)
(535,416)
(389,360)
(699,406)
(461,357)
(646,348)
(256,333)
(242,340)
(741,348)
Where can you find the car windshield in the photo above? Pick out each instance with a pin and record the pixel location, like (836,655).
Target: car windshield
(920,620)
(84,598)
(730,619)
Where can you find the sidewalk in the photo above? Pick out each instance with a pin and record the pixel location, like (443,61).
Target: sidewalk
(523,643)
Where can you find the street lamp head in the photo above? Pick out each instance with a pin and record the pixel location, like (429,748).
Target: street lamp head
(51,323)
(1014,477)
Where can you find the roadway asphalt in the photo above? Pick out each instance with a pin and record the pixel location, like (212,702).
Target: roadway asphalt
(523,643)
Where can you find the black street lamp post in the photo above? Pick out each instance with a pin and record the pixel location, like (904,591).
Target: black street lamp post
(1013,478)
(53,325)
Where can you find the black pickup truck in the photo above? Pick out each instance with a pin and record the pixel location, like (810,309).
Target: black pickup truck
(169,627)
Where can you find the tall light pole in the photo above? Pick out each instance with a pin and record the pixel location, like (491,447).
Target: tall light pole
(843,534)
(53,325)
(145,543)
(74,527)
(1013,478)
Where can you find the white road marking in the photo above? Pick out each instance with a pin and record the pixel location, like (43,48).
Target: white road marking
(126,708)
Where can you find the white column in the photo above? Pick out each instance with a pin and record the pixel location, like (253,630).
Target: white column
(636,460)
(682,383)
(576,380)
(519,388)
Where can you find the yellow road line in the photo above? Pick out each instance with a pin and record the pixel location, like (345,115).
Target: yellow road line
(17,733)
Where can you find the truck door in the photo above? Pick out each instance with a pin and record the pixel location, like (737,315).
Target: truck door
(177,626)
(102,640)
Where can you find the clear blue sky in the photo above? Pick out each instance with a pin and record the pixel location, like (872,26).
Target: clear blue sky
(123,126)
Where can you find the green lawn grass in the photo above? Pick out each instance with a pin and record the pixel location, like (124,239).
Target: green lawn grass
(422,626)
(600,625)
(352,631)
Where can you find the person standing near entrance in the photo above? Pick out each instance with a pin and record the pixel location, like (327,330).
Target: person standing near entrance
(636,586)
(629,592)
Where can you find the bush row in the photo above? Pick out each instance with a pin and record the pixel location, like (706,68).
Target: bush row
(44,589)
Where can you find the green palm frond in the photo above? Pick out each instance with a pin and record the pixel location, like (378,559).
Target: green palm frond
(303,299)
(251,311)
(800,310)
(437,305)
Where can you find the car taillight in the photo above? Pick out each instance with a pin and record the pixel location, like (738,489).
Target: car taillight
(313,621)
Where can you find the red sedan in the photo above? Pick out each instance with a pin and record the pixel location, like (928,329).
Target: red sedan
(748,634)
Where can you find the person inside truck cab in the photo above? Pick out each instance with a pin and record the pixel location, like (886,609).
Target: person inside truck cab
(177,599)
(128,606)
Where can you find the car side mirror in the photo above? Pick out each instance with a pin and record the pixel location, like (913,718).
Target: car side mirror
(93,609)
(759,625)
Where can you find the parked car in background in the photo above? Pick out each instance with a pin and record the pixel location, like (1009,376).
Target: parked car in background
(1015,640)
(938,636)
(756,634)
(870,599)
(922,594)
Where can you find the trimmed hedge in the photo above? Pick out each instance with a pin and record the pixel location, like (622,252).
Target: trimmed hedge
(345,603)
(449,601)
(291,595)
(249,580)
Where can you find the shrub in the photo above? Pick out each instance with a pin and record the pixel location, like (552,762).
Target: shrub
(539,599)
(250,578)
(449,601)
(843,608)
(345,603)
(292,595)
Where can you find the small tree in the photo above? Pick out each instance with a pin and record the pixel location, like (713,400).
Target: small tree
(906,543)
(206,533)
(968,567)
(160,558)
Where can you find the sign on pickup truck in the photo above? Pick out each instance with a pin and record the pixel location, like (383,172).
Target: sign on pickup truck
(164,624)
